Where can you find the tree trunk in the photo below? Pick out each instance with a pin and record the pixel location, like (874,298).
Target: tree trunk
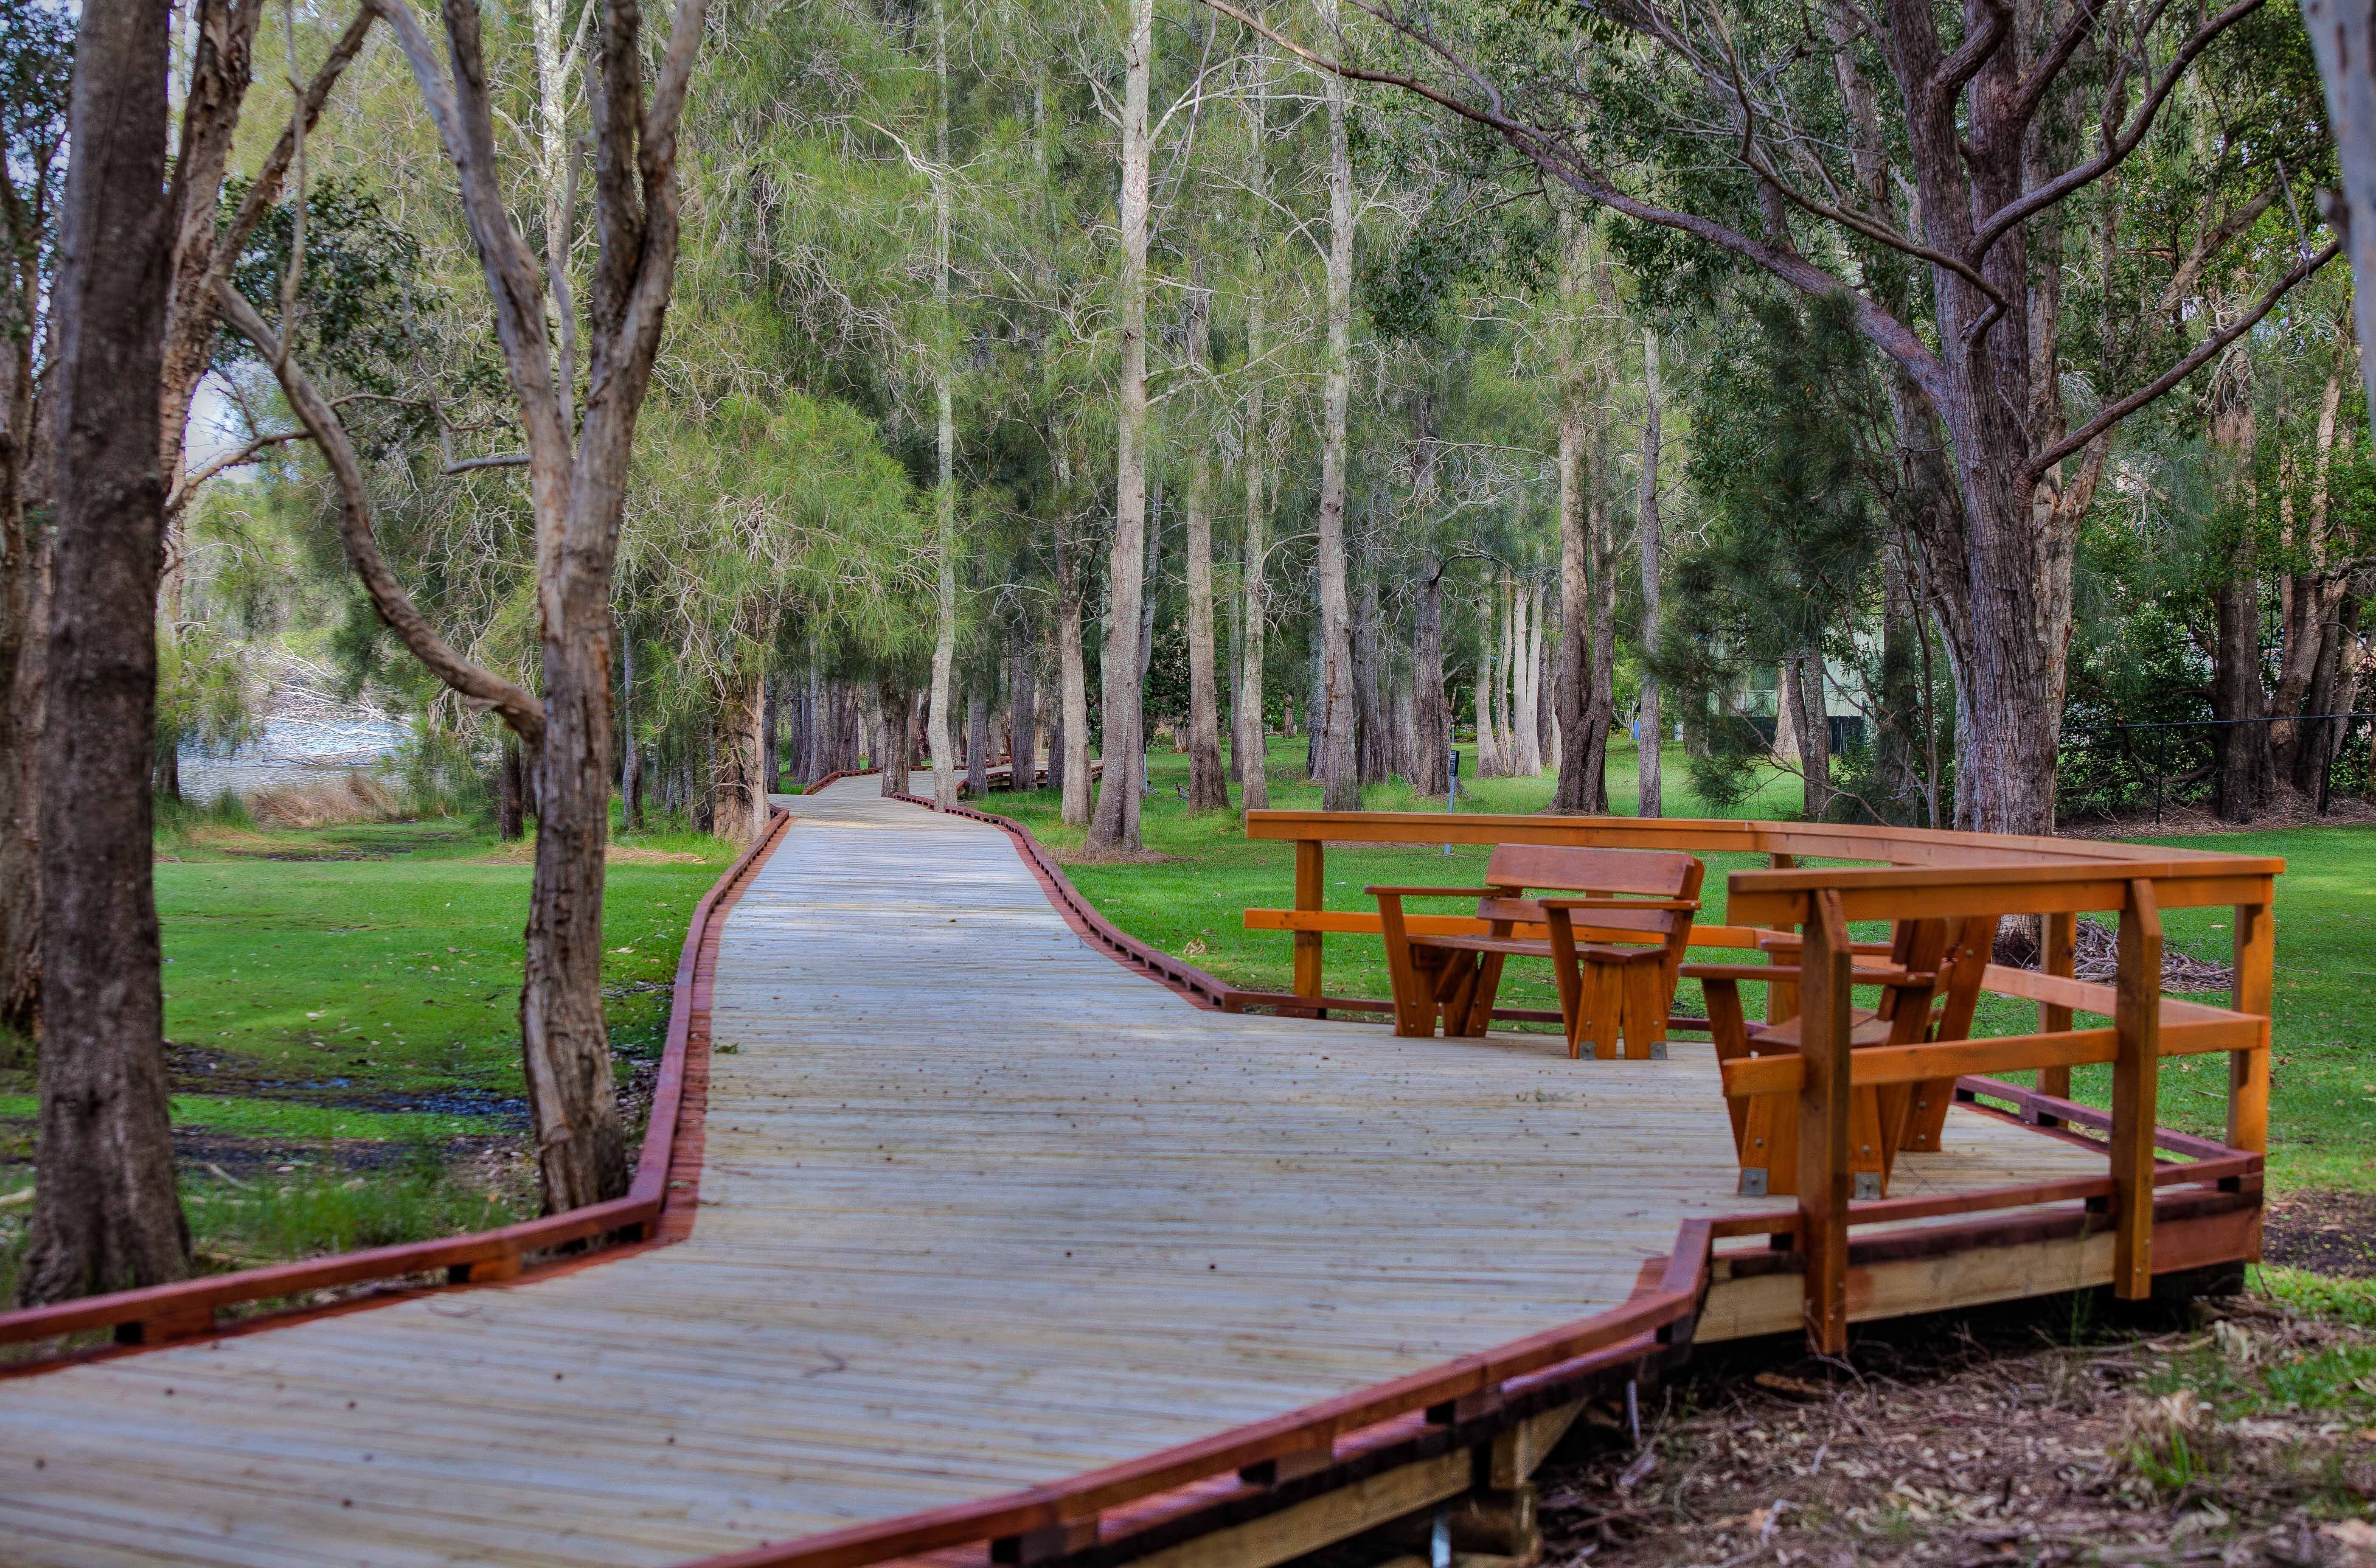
(1431,717)
(1023,720)
(2246,775)
(1490,762)
(944,497)
(896,708)
(1340,786)
(106,1212)
(742,809)
(1208,787)
(1370,716)
(511,796)
(1248,747)
(1072,781)
(20,834)
(1152,578)
(1527,707)
(978,744)
(1801,683)
(1115,825)
(771,758)
(1581,785)
(630,772)
(1649,540)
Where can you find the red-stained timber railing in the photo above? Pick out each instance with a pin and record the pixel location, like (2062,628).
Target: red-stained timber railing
(187,1308)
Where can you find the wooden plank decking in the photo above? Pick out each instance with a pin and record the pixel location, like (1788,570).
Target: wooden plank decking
(979,1209)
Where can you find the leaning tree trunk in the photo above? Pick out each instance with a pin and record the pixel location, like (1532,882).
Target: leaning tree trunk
(1340,785)
(1115,825)
(106,1211)
(1646,537)
(1208,786)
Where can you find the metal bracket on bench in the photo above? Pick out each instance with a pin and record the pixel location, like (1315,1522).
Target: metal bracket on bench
(1752,1182)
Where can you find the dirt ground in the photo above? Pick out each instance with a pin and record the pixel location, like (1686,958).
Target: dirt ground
(2241,1434)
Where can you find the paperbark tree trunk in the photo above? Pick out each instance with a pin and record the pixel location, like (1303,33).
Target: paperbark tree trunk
(1023,710)
(944,497)
(1340,785)
(2245,777)
(1647,541)
(1248,747)
(1526,713)
(106,1211)
(631,766)
(742,795)
(771,762)
(895,707)
(1114,826)
(1580,788)
(978,744)
(1431,717)
(1073,696)
(1370,739)
(1208,786)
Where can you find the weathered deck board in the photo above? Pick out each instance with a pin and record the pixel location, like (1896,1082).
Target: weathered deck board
(979,1209)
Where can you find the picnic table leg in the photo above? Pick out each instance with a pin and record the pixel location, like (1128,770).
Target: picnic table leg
(2247,1071)
(1309,866)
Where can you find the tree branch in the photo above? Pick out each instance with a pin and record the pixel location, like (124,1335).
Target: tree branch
(2181,370)
(265,191)
(1978,50)
(1885,332)
(520,711)
(2114,154)
(180,496)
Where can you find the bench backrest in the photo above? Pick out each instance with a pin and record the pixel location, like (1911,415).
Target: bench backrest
(1643,873)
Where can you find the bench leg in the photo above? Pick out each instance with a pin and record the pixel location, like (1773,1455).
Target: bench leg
(1646,1013)
(1769,1147)
(1604,989)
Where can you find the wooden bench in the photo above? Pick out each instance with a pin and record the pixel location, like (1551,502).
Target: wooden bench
(1929,979)
(1614,943)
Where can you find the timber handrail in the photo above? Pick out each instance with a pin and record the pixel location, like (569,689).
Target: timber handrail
(187,1308)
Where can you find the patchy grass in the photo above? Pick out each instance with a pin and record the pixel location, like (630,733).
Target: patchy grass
(1188,900)
(342,1008)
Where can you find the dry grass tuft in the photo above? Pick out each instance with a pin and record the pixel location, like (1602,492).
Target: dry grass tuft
(330,803)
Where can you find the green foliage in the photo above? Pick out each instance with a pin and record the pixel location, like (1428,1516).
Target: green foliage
(359,293)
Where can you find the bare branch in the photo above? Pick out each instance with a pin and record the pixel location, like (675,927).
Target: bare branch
(180,496)
(266,189)
(502,461)
(519,709)
(2185,367)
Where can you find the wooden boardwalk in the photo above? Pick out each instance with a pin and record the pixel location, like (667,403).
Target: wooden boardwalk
(980,1209)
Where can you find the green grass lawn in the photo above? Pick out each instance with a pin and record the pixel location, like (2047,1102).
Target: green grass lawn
(342,1004)
(2323,1104)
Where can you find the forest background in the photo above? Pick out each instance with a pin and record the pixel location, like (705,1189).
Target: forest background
(1072,381)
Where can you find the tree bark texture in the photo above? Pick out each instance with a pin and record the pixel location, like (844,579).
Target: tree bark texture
(944,497)
(1209,785)
(1114,826)
(1647,541)
(1071,769)
(106,1212)
(1340,785)
(895,706)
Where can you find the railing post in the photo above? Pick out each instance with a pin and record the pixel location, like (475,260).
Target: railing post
(2058,954)
(1823,1180)
(1781,996)
(2136,1092)
(1310,868)
(2256,985)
